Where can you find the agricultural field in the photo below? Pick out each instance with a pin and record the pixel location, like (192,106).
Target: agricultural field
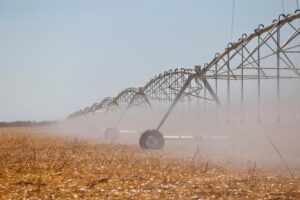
(38,165)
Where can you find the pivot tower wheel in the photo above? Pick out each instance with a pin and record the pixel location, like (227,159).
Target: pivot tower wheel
(152,139)
(111,134)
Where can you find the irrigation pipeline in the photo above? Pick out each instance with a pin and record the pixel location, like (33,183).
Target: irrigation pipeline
(241,60)
(257,32)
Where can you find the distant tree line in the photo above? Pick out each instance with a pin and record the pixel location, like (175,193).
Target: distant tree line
(27,124)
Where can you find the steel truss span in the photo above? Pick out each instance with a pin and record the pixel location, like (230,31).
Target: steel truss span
(269,53)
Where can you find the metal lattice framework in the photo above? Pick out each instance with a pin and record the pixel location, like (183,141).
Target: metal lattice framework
(160,89)
(270,52)
(165,87)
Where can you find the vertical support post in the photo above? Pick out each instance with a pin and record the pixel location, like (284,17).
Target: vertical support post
(258,82)
(189,106)
(198,108)
(278,74)
(216,89)
(228,88)
(159,94)
(205,102)
(242,83)
(204,113)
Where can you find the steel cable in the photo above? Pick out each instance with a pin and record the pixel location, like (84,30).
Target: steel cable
(283,9)
(232,19)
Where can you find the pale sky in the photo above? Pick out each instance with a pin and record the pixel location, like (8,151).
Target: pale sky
(58,56)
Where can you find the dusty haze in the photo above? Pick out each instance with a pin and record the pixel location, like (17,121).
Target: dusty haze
(233,135)
(228,139)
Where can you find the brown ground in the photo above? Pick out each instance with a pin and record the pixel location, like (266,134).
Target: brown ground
(38,166)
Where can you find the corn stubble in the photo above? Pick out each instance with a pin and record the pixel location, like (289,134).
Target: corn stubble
(35,165)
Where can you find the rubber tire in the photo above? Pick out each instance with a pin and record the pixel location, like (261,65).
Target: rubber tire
(152,139)
(112,134)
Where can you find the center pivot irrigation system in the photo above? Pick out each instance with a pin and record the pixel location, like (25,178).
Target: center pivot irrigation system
(269,53)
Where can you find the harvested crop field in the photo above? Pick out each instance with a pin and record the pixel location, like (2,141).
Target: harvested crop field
(37,165)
